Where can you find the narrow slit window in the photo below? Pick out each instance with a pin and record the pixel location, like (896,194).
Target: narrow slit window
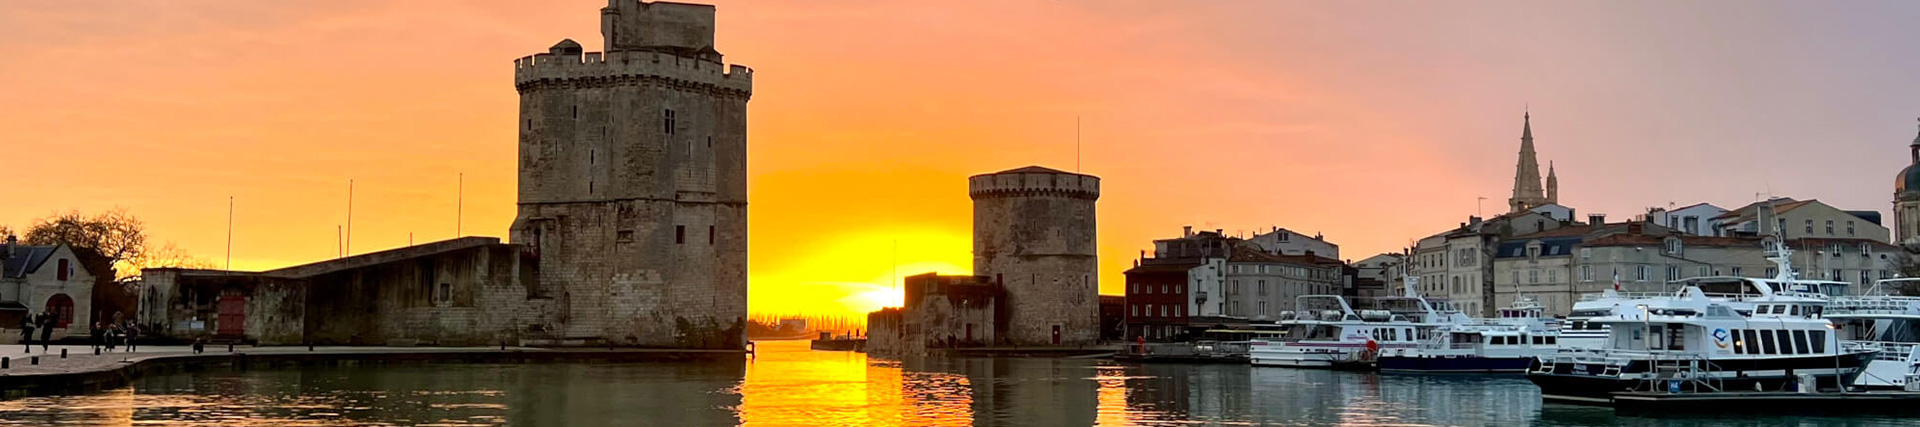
(679,234)
(709,234)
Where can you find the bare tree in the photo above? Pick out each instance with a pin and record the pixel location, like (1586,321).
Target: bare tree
(115,235)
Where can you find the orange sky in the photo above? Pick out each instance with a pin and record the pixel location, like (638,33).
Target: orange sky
(1373,122)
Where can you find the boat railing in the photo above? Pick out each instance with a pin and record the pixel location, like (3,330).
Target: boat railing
(1658,295)
(1878,305)
(1884,350)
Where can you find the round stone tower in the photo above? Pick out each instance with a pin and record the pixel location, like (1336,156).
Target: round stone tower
(1034,234)
(633,183)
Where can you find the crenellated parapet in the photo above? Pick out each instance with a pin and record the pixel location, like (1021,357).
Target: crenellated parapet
(593,69)
(1034,181)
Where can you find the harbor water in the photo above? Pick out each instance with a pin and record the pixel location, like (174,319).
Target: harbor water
(788,384)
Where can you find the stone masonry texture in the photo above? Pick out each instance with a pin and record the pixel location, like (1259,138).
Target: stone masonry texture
(633,181)
(1034,232)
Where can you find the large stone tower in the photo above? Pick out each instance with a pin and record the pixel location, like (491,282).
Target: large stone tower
(1906,200)
(1527,193)
(633,184)
(1033,233)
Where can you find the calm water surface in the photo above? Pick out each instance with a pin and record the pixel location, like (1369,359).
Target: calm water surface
(790,385)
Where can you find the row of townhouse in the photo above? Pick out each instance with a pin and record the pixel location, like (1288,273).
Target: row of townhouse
(1207,280)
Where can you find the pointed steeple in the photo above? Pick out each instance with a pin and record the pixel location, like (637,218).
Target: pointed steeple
(1526,126)
(1527,193)
(1553,185)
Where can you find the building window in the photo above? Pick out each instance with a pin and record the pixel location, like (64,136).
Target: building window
(446,292)
(1673,246)
(1673,273)
(1553,275)
(1773,271)
(1705,271)
(623,236)
(667,122)
(1516,277)
(1263,309)
(1865,276)
(710,237)
(64,268)
(1134,310)
(1829,227)
(1866,250)
(1263,289)
(1736,271)
(1809,227)
(1849,228)
(1836,274)
(1586,253)
(1836,249)
(1586,273)
(679,234)
(1640,273)
(1533,276)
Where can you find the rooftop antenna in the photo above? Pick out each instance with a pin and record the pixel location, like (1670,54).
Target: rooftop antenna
(459,204)
(229,233)
(348,248)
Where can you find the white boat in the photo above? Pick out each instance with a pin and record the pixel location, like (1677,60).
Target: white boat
(1885,319)
(1331,331)
(1691,341)
(1505,344)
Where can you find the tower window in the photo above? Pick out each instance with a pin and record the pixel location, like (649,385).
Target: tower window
(529,124)
(667,122)
(576,111)
(679,234)
(709,234)
(709,142)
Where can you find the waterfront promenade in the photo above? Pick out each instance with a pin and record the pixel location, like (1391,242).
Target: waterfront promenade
(82,371)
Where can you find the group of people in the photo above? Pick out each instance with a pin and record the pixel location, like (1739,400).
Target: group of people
(109,335)
(44,322)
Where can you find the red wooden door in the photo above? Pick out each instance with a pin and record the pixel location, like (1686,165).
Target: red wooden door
(233,315)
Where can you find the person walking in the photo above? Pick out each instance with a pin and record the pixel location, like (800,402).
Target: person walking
(98,336)
(133,333)
(47,321)
(26,332)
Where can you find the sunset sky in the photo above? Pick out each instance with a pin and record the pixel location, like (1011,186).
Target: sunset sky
(1374,122)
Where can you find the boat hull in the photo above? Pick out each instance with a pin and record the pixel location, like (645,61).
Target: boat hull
(1455,365)
(1590,383)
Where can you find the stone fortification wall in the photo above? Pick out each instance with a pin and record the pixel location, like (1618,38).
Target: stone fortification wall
(633,182)
(1034,233)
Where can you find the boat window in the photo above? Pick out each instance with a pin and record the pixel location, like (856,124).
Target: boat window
(1766,343)
(1739,346)
(1800,342)
(1751,341)
(1786,342)
(1819,339)
(1553,340)
(1656,335)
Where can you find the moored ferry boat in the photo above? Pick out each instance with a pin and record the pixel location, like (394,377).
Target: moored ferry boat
(1691,342)
(1505,344)
(1886,318)
(1331,331)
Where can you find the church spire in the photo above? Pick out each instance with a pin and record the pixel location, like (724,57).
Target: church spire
(1553,185)
(1527,193)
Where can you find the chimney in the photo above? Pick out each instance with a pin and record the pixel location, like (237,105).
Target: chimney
(1186,232)
(13,244)
(1597,220)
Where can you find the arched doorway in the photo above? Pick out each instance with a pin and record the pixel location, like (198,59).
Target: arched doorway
(61,306)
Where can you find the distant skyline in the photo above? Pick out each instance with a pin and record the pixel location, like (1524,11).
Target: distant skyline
(1372,122)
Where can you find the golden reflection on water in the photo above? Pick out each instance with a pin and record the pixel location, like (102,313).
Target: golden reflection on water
(788,384)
